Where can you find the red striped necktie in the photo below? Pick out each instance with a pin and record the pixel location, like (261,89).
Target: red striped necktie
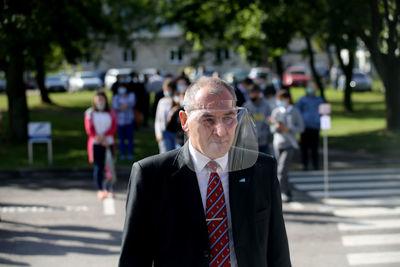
(217,220)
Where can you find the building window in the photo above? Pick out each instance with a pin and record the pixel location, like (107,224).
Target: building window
(175,55)
(222,54)
(128,56)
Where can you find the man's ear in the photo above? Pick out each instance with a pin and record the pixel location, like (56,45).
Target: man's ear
(183,116)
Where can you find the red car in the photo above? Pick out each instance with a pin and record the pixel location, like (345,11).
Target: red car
(295,76)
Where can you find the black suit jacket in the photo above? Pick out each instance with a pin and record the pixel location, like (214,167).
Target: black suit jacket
(165,221)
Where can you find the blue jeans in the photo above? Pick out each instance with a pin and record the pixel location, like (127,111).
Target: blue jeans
(169,140)
(99,155)
(125,132)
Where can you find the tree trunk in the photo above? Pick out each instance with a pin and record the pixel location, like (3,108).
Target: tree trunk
(315,75)
(17,105)
(40,76)
(348,73)
(388,70)
(392,96)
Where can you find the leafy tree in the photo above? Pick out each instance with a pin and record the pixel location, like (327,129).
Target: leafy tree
(29,30)
(379,30)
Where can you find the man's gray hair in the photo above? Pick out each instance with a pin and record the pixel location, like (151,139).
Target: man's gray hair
(217,85)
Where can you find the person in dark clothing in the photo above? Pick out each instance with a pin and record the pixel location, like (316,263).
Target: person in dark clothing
(142,100)
(117,84)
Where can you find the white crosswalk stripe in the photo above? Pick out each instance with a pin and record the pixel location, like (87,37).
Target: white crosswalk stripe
(367,205)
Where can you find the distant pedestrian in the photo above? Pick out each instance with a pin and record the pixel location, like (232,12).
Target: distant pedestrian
(308,106)
(173,120)
(124,103)
(260,111)
(286,123)
(141,109)
(121,81)
(165,138)
(101,126)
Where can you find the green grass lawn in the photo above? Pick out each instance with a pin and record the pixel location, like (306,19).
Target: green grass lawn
(362,130)
(68,133)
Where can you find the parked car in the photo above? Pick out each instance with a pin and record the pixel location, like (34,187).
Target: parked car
(56,83)
(360,82)
(111,76)
(85,80)
(257,72)
(295,76)
(235,75)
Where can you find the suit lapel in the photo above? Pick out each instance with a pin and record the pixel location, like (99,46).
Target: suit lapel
(239,183)
(185,182)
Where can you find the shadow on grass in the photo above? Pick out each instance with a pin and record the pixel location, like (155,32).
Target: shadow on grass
(385,143)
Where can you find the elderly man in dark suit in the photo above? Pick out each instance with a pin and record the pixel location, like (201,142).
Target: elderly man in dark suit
(213,202)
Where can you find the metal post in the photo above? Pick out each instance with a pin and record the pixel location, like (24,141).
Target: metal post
(30,152)
(326,182)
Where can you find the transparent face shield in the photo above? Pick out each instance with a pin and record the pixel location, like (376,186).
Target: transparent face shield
(218,128)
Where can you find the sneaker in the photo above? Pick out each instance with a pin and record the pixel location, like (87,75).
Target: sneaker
(101,194)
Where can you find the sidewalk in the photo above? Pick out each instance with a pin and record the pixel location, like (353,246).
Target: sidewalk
(337,159)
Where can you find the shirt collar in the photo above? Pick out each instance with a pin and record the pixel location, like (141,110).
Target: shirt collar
(200,160)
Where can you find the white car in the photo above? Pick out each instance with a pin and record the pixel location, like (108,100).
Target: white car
(56,82)
(111,76)
(85,80)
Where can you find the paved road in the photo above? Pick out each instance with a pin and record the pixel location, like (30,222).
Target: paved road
(366,206)
(56,220)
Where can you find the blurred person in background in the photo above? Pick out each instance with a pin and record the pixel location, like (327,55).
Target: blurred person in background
(119,82)
(141,109)
(160,94)
(260,111)
(123,103)
(262,82)
(270,96)
(242,91)
(286,122)
(174,122)
(165,138)
(100,126)
(308,106)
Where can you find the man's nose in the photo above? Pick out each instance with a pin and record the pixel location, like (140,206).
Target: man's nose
(220,129)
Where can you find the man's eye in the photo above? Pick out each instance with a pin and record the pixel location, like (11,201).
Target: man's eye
(209,121)
(228,120)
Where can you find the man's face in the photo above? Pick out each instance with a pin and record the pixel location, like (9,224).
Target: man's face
(212,130)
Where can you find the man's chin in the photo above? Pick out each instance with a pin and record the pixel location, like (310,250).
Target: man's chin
(218,150)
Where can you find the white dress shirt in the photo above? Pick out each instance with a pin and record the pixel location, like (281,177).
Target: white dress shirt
(203,175)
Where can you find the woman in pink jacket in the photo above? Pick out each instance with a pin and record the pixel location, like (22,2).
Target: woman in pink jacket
(101,126)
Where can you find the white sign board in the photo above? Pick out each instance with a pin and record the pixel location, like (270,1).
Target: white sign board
(39,131)
(324,109)
(325,122)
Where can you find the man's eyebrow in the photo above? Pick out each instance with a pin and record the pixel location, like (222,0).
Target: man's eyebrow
(208,115)
(230,113)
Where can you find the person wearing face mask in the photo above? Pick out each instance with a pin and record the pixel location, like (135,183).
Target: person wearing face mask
(100,126)
(260,111)
(164,138)
(262,82)
(286,123)
(308,106)
(123,103)
(174,122)
(141,109)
